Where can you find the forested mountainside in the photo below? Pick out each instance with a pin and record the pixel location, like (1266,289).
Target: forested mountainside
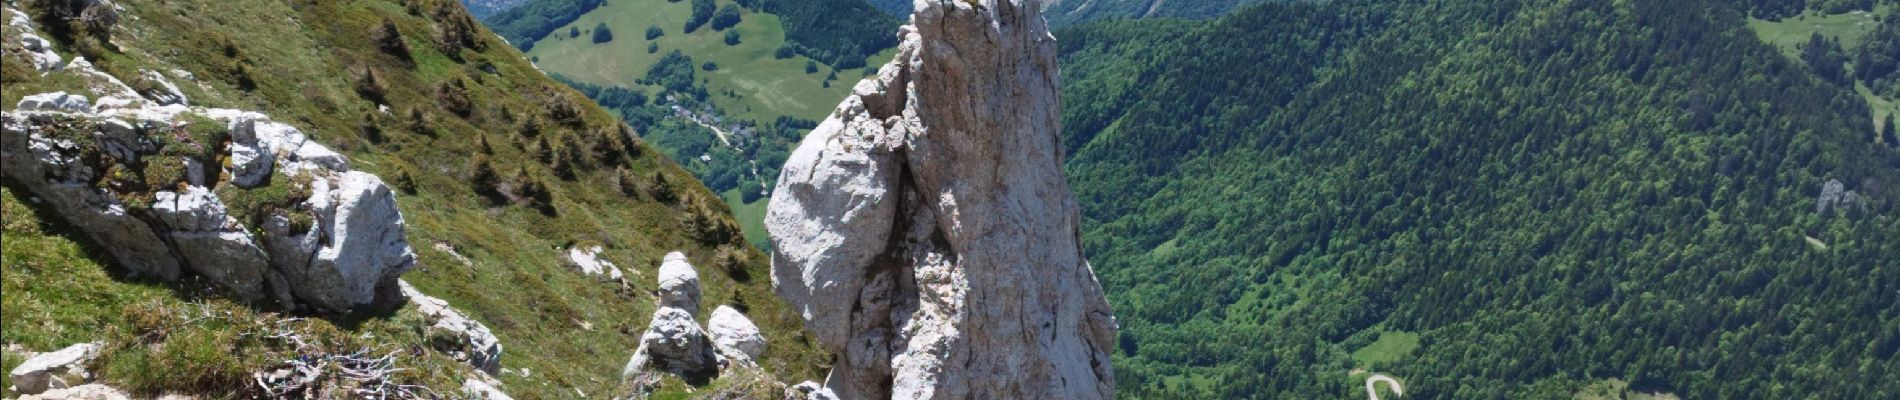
(725,87)
(1484,199)
(1070,12)
(898,8)
(414,91)
(482,9)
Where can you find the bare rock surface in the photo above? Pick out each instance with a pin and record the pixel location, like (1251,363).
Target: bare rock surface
(332,239)
(90,391)
(735,336)
(679,283)
(925,231)
(455,334)
(674,344)
(55,370)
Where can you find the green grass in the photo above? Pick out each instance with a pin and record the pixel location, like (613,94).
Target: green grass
(1390,347)
(1790,33)
(300,59)
(766,87)
(751,217)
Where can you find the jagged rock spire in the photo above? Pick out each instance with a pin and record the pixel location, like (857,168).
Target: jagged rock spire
(925,231)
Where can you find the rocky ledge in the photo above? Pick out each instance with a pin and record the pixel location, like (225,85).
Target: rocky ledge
(925,231)
(250,204)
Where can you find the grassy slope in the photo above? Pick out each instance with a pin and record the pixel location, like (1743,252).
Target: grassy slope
(299,55)
(1789,34)
(767,87)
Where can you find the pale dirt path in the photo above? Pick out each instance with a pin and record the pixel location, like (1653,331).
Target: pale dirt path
(1372,392)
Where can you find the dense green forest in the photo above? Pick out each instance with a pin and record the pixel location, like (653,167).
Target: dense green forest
(840,33)
(1484,199)
(1068,12)
(524,24)
(899,8)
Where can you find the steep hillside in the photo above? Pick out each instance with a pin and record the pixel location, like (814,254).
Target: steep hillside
(729,97)
(419,93)
(1516,199)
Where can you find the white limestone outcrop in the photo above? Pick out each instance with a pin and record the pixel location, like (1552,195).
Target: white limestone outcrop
(925,231)
(679,284)
(674,344)
(460,337)
(56,370)
(589,261)
(338,248)
(735,336)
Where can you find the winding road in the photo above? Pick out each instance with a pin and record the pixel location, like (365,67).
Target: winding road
(1372,392)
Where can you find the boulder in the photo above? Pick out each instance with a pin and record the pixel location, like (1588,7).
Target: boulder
(925,231)
(365,250)
(166,93)
(212,242)
(462,338)
(90,391)
(481,389)
(679,284)
(55,370)
(673,344)
(735,336)
(55,102)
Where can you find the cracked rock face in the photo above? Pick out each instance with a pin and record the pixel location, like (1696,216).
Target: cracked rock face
(925,231)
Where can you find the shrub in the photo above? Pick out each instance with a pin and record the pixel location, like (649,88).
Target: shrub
(369,84)
(727,17)
(530,127)
(654,32)
(702,12)
(811,67)
(389,40)
(732,38)
(453,97)
(405,182)
(370,127)
(709,66)
(455,31)
(661,189)
(482,176)
(481,144)
(602,34)
(784,52)
(653,48)
(531,192)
